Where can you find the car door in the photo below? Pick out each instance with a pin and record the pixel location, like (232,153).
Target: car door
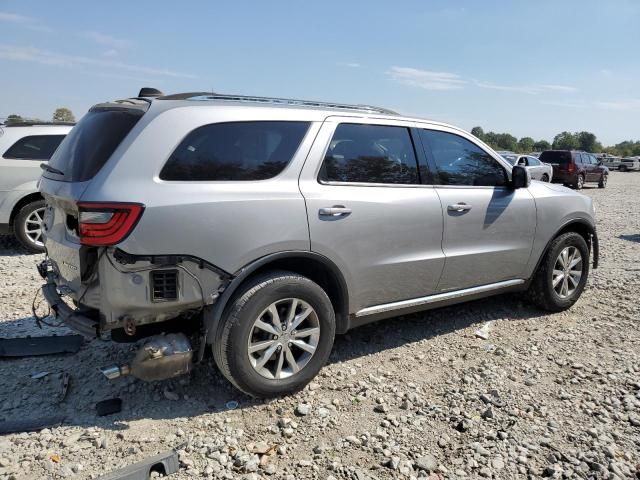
(536,169)
(488,226)
(369,213)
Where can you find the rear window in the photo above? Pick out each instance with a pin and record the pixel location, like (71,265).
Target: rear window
(235,151)
(34,147)
(560,158)
(91,142)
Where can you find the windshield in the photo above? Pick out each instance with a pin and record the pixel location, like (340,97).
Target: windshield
(558,157)
(510,158)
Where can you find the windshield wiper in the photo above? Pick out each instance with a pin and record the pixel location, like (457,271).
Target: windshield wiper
(50,169)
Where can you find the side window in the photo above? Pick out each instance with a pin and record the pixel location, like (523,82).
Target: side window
(360,153)
(34,147)
(594,160)
(582,158)
(235,151)
(533,162)
(460,162)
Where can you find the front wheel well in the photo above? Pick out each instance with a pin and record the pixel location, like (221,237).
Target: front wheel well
(26,200)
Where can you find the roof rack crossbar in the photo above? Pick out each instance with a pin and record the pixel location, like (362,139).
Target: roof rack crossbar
(292,102)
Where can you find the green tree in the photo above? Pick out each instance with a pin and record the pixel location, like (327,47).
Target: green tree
(506,141)
(541,146)
(478,132)
(565,141)
(63,114)
(13,118)
(587,141)
(525,144)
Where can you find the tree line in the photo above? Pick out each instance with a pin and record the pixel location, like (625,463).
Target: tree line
(585,141)
(62,114)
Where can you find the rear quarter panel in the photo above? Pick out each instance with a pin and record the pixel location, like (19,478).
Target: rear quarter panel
(228,223)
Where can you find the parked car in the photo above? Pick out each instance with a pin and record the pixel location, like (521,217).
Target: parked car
(262,227)
(537,169)
(23,147)
(612,163)
(629,164)
(574,168)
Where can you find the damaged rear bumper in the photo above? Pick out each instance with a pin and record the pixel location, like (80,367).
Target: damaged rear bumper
(72,318)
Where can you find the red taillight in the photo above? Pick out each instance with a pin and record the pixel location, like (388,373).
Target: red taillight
(103,224)
(571,168)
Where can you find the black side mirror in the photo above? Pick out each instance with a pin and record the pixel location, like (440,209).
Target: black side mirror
(520,177)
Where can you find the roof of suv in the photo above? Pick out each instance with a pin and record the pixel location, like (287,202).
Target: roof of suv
(159,103)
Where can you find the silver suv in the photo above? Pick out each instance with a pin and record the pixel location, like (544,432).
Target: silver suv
(23,147)
(262,227)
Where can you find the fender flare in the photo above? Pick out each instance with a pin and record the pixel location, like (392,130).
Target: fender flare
(213,313)
(593,243)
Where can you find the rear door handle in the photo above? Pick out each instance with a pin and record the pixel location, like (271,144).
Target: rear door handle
(335,211)
(459,207)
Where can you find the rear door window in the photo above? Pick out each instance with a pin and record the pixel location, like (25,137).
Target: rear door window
(235,151)
(34,147)
(91,142)
(362,153)
(533,162)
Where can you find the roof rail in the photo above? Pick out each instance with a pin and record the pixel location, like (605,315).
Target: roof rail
(278,101)
(31,123)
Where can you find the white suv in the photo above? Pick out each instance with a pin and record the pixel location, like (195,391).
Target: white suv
(23,147)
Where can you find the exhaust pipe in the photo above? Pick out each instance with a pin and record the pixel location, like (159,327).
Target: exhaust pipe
(161,357)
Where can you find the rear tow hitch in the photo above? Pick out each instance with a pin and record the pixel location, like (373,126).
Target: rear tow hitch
(161,357)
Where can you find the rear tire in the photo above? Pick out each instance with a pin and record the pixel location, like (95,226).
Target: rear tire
(603,181)
(545,178)
(251,332)
(28,226)
(547,287)
(579,182)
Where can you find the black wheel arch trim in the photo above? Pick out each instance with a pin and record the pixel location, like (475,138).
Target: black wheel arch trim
(592,242)
(213,313)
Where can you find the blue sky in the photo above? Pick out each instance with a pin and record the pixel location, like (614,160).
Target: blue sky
(525,67)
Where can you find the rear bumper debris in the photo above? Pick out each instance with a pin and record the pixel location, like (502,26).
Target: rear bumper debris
(72,318)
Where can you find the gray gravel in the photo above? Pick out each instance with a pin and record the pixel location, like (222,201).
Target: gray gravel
(420,396)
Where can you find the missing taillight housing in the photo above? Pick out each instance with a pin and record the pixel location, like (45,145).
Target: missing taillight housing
(107,223)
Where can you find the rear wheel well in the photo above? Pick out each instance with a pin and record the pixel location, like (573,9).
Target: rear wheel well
(32,197)
(318,272)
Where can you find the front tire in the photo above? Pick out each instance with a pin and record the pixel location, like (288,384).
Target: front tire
(28,226)
(275,335)
(603,181)
(562,274)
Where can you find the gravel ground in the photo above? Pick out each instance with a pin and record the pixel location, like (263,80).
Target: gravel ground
(414,397)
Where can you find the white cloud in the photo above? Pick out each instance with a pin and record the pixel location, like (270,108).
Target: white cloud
(26,22)
(110,53)
(566,104)
(629,104)
(106,40)
(349,65)
(559,88)
(43,57)
(426,79)
(533,89)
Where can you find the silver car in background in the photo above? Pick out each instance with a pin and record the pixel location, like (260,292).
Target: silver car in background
(260,228)
(537,169)
(23,147)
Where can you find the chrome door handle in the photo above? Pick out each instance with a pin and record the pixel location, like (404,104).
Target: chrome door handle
(459,207)
(336,211)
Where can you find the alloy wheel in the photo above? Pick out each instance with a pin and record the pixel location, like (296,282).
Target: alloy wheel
(283,338)
(567,272)
(34,226)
